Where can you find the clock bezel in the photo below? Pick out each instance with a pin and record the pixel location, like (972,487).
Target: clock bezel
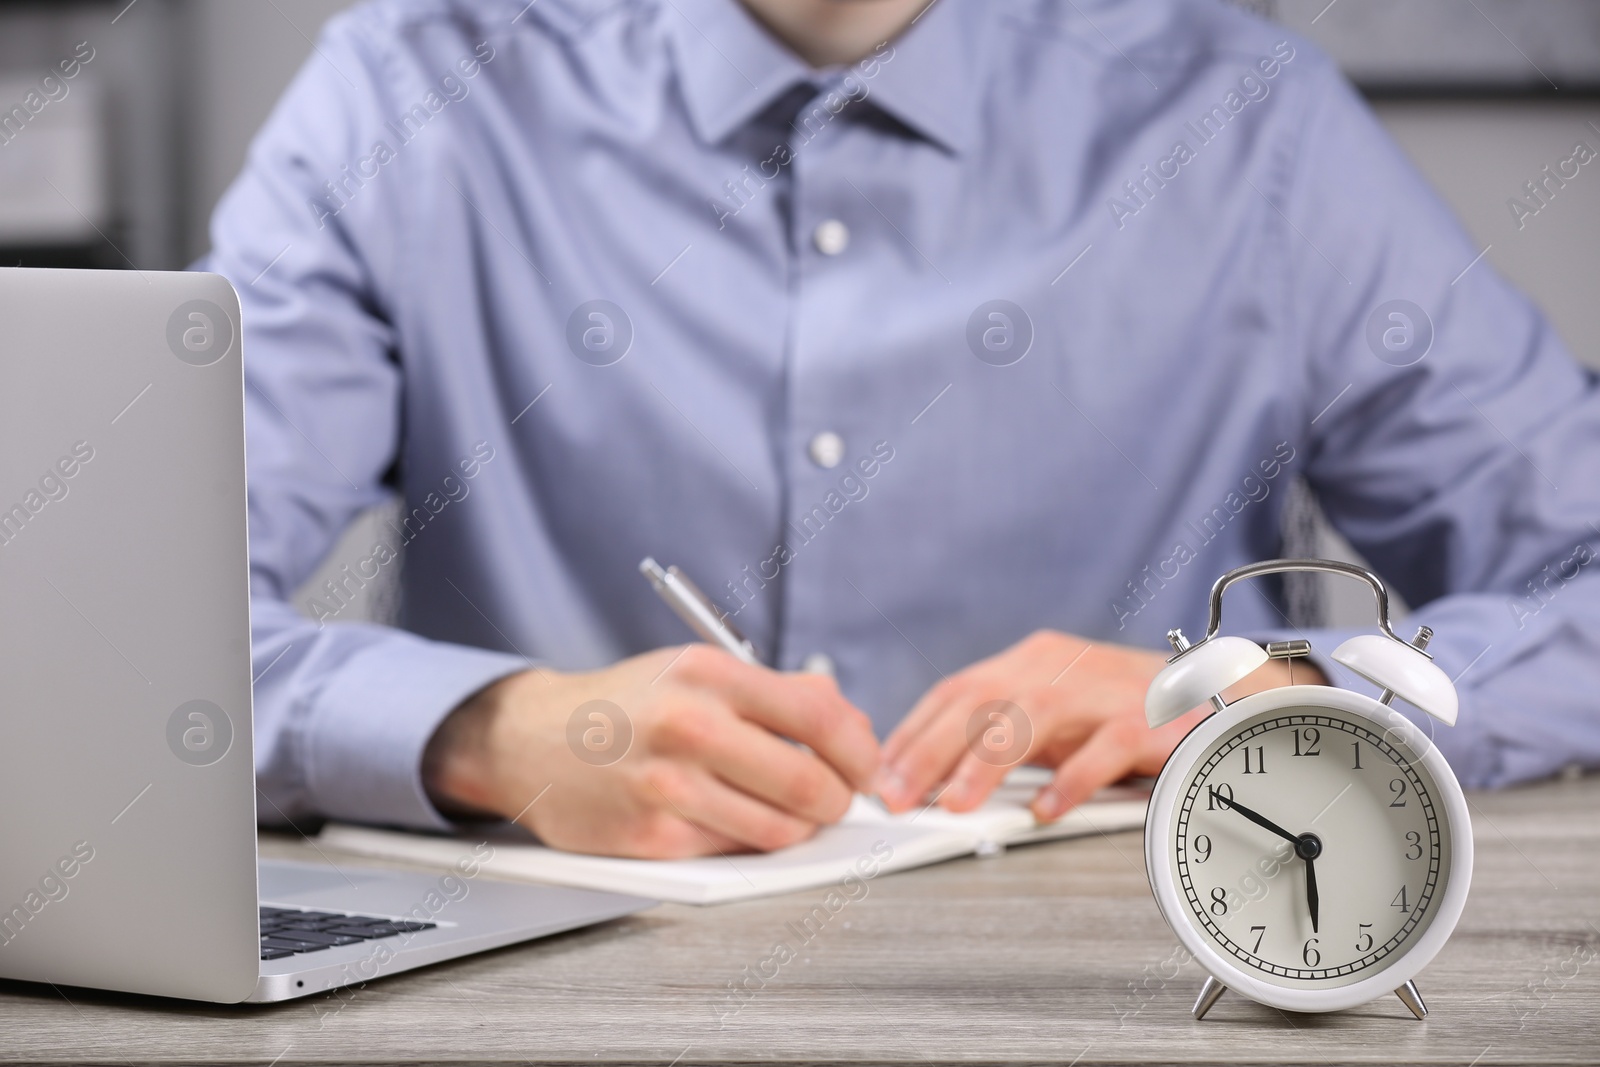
(1409,959)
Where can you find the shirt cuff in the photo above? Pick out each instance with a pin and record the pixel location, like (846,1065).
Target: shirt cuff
(365,737)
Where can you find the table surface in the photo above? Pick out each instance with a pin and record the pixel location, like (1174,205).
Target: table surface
(1048,953)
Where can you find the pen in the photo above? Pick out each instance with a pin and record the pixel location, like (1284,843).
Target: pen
(696,609)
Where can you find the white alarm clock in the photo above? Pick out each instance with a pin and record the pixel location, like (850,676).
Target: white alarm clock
(1308,845)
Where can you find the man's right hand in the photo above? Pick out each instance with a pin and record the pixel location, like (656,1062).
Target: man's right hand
(707,769)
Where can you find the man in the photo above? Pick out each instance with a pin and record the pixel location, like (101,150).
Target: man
(955,349)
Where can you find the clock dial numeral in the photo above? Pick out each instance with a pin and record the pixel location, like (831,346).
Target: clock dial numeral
(1413,839)
(1219,901)
(1363,935)
(1313,738)
(1357,746)
(1260,932)
(1400,901)
(1260,762)
(1202,848)
(1309,955)
(1397,786)
(1223,792)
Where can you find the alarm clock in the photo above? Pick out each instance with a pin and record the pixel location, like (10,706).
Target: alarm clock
(1308,845)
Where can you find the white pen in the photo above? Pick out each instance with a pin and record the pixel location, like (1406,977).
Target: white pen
(696,609)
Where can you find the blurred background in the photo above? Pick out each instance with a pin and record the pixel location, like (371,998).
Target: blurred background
(121,164)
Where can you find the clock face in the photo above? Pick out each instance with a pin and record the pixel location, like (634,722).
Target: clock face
(1308,846)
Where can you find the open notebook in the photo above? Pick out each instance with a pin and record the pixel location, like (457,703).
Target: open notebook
(886,843)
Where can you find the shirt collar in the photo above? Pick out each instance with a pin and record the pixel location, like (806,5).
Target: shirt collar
(729,66)
(932,78)
(731,69)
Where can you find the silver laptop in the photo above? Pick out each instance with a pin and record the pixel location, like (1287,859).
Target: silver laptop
(127,788)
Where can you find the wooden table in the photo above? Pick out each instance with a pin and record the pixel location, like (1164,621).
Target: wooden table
(1053,953)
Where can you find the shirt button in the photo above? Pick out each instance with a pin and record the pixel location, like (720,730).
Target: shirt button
(831,237)
(818,663)
(826,449)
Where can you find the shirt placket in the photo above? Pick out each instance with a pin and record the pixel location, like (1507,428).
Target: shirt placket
(825,224)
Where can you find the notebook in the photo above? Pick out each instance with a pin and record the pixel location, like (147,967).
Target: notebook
(867,839)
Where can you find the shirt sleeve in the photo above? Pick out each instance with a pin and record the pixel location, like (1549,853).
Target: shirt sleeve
(1453,439)
(343,710)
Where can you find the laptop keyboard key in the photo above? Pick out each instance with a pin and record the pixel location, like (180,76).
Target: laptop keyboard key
(316,937)
(288,931)
(356,922)
(362,933)
(274,943)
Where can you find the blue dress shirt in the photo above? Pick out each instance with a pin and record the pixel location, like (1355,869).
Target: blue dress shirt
(1026,320)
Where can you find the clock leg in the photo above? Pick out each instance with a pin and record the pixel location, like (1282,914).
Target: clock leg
(1412,999)
(1210,993)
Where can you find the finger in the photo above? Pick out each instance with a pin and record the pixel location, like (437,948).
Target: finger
(1001,735)
(1040,659)
(926,710)
(1066,734)
(652,832)
(1107,756)
(807,708)
(706,842)
(993,749)
(926,761)
(755,760)
(670,837)
(717,808)
(972,782)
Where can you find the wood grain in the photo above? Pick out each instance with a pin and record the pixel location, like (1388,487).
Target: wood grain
(1051,953)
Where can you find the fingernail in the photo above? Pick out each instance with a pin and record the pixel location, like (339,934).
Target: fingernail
(956,794)
(1050,803)
(890,786)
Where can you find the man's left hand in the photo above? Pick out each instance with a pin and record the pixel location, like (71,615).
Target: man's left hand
(1076,706)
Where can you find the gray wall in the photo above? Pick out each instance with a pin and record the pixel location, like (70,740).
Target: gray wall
(132,110)
(1479,155)
(1452,43)
(248,51)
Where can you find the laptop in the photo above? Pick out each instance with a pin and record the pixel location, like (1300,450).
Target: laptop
(128,853)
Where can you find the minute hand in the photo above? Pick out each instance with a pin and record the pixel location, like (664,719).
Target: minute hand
(1259,820)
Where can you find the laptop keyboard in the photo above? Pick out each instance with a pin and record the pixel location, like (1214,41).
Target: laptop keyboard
(289,932)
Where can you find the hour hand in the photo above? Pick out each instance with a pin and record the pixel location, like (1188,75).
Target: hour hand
(1259,820)
(1312,900)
